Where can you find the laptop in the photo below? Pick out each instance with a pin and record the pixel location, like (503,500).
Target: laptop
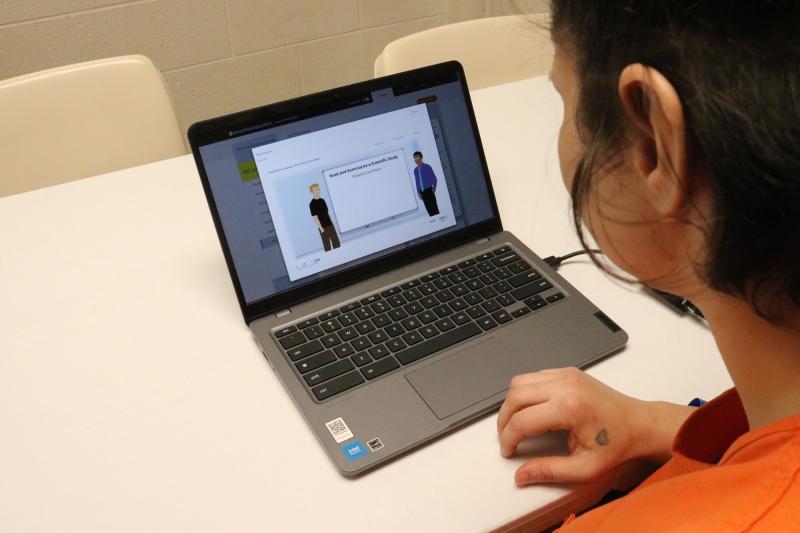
(365,246)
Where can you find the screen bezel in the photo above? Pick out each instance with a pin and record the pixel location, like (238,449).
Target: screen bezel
(250,121)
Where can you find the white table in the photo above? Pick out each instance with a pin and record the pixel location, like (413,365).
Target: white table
(133,398)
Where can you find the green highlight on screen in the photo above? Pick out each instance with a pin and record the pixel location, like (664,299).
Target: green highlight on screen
(248,171)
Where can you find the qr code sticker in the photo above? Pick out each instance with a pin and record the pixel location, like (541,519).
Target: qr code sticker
(339,430)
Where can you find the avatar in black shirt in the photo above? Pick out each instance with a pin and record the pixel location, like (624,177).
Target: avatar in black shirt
(319,213)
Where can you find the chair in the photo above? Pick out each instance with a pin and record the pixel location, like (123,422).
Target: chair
(80,120)
(492,50)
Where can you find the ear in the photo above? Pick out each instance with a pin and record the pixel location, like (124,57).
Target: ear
(660,157)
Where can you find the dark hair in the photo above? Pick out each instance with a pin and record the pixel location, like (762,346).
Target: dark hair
(736,68)
(418,154)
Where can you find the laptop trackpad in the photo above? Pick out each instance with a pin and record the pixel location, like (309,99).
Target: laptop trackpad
(466,377)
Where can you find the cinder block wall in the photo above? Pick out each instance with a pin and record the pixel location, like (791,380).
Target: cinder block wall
(220,56)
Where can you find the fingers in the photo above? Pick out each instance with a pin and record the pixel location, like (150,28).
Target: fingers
(532,392)
(528,422)
(579,468)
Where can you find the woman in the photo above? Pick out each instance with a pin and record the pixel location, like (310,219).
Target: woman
(681,148)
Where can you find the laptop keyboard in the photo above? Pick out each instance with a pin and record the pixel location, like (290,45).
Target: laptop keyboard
(363,340)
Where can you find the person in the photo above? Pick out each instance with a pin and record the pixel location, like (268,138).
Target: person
(680,148)
(426,184)
(321,218)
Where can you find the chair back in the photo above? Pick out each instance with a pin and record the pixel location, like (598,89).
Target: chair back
(85,119)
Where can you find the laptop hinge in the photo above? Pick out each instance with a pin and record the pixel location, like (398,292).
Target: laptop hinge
(282,313)
(480,241)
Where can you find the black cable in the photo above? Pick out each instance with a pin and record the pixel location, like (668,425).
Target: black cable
(678,303)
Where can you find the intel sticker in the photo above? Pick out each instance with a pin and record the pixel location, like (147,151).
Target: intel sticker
(354,450)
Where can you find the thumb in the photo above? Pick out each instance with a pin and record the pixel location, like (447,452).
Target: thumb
(570,469)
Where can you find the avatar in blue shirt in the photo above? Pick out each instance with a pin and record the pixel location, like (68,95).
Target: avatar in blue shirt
(426,184)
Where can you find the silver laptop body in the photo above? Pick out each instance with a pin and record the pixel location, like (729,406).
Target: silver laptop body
(365,246)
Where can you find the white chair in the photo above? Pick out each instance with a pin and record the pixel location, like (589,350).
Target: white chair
(80,120)
(492,50)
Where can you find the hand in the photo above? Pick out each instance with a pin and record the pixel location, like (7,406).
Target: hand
(606,428)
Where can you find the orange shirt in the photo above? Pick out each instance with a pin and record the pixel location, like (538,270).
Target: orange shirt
(721,478)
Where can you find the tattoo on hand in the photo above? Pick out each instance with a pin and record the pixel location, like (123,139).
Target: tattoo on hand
(602,438)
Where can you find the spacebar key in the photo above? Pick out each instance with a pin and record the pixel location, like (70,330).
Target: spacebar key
(436,344)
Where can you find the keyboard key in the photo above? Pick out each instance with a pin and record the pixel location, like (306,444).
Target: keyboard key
(306,323)
(426,317)
(331,340)
(472,272)
(505,300)
(429,277)
(364,313)
(459,305)
(327,372)
(361,343)
(457,277)
(485,257)
(396,300)
(371,299)
(427,289)
(535,303)
(522,279)
(350,307)
(489,278)
(501,317)
(502,250)
(555,297)
(337,385)
(314,332)
(442,283)
(474,284)
(329,315)
(486,266)
(429,302)
(411,323)
(448,270)
(520,312)
(445,295)
(365,327)
(410,284)
(344,350)
(460,318)
(331,325)
(502,273)
(530,289)
(378,336)
(488,293)
(396,345)
(381,321)
(445,324)
(397,314)
(429,331)
(315,361)
(504,260)
(349,333)
(394,330)
(285,331)
(491,306)
(361,359)
(412,294)
(519,266)
(292,340)
(414,307)
(460,290)
(467,263)
(380,307)
(476,311)
(487,323)
(438,343)
(390,292)
(502,286)
(473,298)
(442,311)
(378,352)
(378,368)
(412,338)
(347,319)
(310,348)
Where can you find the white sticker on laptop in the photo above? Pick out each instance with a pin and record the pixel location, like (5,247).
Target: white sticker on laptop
(339,430)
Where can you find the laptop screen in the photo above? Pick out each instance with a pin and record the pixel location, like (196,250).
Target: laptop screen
(326,188)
